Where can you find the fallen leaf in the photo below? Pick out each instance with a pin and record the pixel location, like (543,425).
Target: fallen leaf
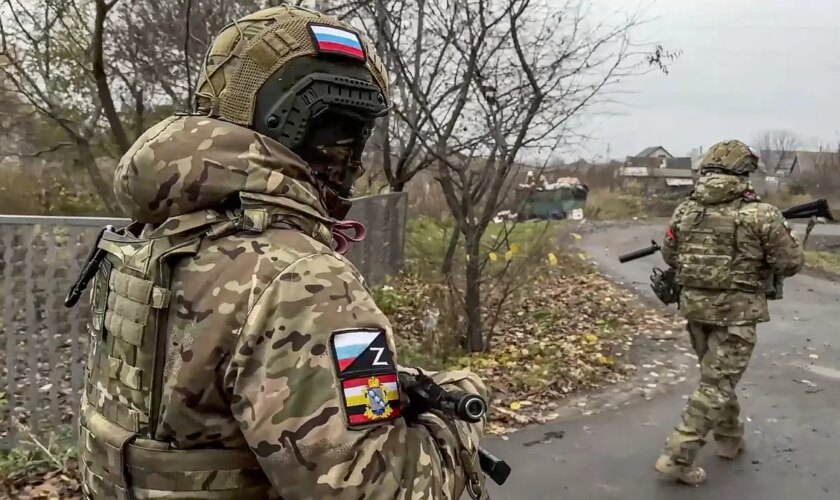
(516,405)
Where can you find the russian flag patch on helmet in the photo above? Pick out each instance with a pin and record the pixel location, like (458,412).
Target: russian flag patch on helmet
(332,40)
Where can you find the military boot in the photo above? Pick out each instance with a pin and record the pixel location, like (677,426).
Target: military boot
(730,448)
(691,475)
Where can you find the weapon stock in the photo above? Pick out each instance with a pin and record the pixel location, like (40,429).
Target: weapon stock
(816,208)
(426,395)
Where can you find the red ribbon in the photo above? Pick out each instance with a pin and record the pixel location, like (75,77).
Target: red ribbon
(342,238)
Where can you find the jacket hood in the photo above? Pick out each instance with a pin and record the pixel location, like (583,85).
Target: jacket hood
(718,188)
(185,164)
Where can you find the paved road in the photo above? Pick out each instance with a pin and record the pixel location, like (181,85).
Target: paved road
(794,427)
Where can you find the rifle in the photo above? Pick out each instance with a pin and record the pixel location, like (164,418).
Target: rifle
(663,282)
(425,394)
(810,210)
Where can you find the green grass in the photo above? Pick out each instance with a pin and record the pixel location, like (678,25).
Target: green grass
(35,456)
(427,240)
(826,261)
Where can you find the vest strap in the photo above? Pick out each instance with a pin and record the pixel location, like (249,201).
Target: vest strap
(154,466)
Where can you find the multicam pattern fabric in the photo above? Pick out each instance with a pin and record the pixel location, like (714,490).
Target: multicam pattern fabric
(733,156)
(246,362)
(247,52)
(726,246)
(724,353)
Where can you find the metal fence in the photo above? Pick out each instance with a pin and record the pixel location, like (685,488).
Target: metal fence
(42,345)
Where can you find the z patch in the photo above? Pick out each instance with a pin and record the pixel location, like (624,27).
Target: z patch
(367,375)
(362,351)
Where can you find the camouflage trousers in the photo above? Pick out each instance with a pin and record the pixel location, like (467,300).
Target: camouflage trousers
(724,352)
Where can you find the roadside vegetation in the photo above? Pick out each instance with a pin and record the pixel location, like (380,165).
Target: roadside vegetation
(555,325)
(827,262)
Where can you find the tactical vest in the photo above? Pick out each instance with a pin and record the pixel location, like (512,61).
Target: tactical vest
(708,253)
(124,382)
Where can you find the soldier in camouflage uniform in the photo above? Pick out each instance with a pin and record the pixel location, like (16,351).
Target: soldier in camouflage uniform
(234,353)
(726,247)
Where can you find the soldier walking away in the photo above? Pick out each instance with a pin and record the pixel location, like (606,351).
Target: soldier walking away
(234,353)
(728,249)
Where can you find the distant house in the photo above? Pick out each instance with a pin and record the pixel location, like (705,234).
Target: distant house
(654,152)
(817,163)
(777,163)
(655,170)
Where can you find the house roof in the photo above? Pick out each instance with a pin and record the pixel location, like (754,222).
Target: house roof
(777,162)
(649,151)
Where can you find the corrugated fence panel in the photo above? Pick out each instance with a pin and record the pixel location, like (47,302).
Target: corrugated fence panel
(43,344)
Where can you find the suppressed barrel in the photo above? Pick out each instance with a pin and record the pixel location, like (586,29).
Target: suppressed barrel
(425,394)
(638,254)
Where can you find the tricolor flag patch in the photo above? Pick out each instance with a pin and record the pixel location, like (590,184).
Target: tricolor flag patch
(371,399)
(362,351)
(332,40)
(367,375)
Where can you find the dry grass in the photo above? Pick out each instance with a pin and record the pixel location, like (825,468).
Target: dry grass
(604,204)
(46,192)
(785,199)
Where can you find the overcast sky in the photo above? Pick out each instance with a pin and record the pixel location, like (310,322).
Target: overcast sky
(746,66)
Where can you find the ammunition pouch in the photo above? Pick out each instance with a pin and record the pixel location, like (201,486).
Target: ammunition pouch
(665,286)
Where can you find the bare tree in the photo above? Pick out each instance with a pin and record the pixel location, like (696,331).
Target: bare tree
(99,71)
(777,150)
(820,172)
(507,79)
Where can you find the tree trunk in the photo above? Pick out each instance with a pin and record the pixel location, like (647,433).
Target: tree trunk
(104,189)
(101,78)
(472,298)
(449,256)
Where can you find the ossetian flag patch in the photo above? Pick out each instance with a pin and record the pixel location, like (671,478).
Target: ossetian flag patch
(332,40)
(367,375)
(371,399)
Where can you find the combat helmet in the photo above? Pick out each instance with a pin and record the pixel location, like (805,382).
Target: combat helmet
(304,79)
(730,156)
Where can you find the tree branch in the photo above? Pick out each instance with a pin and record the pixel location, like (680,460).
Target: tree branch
(103,89)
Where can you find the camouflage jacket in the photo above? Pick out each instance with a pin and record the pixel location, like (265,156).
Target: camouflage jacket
(763,247)
(266,322)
